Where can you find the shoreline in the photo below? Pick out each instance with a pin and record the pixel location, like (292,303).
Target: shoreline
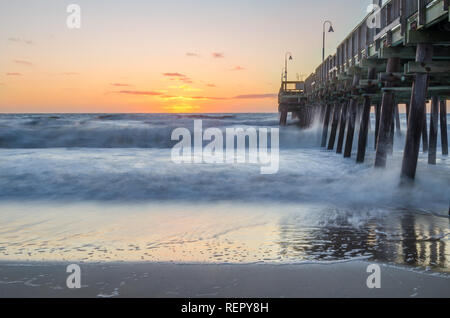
(161,280)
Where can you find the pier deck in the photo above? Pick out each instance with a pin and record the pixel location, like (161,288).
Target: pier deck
(399,54)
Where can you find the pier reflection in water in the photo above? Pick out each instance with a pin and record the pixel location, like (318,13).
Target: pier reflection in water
(391,236)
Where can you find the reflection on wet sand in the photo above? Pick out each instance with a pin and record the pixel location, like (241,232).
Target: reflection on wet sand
(399,237)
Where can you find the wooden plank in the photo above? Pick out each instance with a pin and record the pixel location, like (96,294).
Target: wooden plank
(428,67)
(325,125)
(422,12)
(443,122)
(409,52)
(387,111)
(433,130)
(401,52)
(416,116)
(427,36)
(334,126)
(342,125)
(363,131)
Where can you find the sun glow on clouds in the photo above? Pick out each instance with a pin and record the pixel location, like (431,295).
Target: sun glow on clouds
(107,67)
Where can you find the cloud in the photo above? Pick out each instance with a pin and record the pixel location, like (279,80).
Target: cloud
(13,39)
(248,96)
(255,96)
(120,85)
(147,93)
(22,62)
(217,55)
(238,68)
(13,74)
(209,98)
(178,77)
(174,75)
(190,54)
(211,85)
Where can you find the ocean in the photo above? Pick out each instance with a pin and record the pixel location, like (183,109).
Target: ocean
(102,187)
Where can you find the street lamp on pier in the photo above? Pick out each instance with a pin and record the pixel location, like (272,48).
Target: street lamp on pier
(329,31)
(287,56)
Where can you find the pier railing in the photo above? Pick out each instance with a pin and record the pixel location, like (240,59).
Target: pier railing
(398,54)
(386,25)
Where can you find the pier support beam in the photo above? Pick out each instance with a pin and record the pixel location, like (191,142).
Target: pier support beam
(283,117)
(424,54)
(363,131)
(443,118)
(350,128)
(397,119)
(342,125)
(407,113)
(352,112)
(425,132)
(390,145)
(433,130)
(377,123)
(334,126)
(387,111)
(326,122)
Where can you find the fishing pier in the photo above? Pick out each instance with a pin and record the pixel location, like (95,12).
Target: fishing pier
(399,54)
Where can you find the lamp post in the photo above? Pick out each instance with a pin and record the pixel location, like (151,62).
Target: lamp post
(329,31)
(285,67)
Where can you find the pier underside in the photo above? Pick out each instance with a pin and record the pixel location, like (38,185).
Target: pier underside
(404,60)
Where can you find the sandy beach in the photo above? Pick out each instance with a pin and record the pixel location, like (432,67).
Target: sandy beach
(140,225)
(105,280)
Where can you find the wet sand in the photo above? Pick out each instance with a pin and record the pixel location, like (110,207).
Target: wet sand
(345,279)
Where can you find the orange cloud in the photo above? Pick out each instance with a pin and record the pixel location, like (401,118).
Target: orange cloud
(120,84)
(255,96)
(22,62)
(237,68)
(148,93)
(178,77)
(218,55)
(13,74)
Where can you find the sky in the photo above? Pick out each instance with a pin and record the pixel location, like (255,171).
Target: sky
(145,56)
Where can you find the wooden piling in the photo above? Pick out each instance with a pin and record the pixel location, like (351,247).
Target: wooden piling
(342,125)
(377,123)
(397,119)
(283,117)
(325,125)
(443,120)
(407,113)
(390,145)
(363,131)
(334,126)
(350,128)
(433,130)
(424,54)
(352,113)
(425,133)
(387,111)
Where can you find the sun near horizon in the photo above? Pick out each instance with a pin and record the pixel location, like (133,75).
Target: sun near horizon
(159,57)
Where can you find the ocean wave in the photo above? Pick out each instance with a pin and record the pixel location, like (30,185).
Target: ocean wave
(112,130)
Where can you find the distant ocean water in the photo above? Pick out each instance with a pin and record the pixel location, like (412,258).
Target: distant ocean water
(126,157)
(103,187)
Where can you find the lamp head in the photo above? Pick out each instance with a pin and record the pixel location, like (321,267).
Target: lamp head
(331,29)
(290,57)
